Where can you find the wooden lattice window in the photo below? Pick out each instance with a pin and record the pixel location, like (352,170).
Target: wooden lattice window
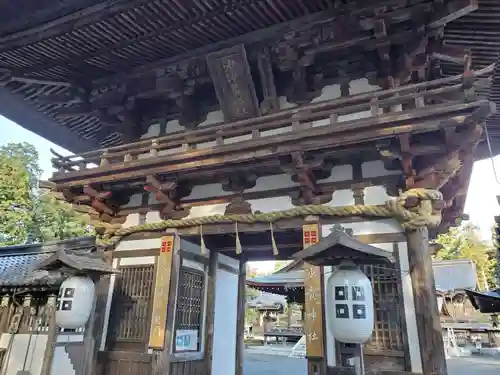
(387,333)
(131,308)
(189,310)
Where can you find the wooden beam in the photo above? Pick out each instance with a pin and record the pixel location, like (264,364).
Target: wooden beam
(17,109)
(51,336)
(426,310)
(314,328)
(270,103)
(240,320)
(210,309)
(389,125)
(67,23)
(452,11)
(449,53)
(252,37)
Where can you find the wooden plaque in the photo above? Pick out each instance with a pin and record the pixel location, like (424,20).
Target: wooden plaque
(233,83)
(161,293)
(313,323)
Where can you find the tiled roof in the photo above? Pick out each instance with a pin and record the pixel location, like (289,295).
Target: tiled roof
(81,261)
(267,300)
(18,263)
(454,275)
(450,275)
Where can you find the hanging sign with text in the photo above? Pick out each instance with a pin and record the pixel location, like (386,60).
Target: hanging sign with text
(161,293)
(313,319)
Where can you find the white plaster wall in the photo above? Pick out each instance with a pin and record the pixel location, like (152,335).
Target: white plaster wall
(137,261)
(173,126)
(61,364)
(150,243)
(226,301)
(23,352)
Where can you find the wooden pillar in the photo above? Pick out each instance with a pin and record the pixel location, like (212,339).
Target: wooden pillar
(51,336)
(89,339)
(240,321)
(289,313)
(162,317)
(313,319)
(426,308)
(209,317)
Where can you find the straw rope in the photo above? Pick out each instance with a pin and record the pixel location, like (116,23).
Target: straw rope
(420,215)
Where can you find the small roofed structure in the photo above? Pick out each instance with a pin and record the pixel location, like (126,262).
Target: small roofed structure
(20,264)
(486,302)
(75,264)
(289,284)
(338,247)
(268,302)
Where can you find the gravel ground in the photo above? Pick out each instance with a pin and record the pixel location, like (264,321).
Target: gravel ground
(258,364)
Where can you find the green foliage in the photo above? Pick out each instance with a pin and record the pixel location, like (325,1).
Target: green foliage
(26,211)
(55,220)
(465,243)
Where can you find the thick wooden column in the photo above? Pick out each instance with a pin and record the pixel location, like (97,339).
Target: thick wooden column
(209,317)
(289,313)
(89,340)
(426,309)
(162,317)
(48,354)
(240,321)
(313,319)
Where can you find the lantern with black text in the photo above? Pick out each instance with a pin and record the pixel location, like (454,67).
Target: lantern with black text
(75,302)
(350,299)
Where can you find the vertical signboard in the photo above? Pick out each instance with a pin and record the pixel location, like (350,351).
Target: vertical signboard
(313,319)
(161,293)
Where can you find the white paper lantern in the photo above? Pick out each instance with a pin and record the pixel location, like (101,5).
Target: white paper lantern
(74,302)
(350,305)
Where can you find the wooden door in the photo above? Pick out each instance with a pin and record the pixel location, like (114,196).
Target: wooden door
(129,323)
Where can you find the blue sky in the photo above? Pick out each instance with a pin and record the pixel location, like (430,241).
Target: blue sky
(481,202)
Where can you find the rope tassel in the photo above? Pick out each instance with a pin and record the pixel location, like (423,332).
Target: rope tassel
(238,243)
(273,241)
(202,242)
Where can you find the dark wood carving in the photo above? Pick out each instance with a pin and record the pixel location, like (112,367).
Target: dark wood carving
(270,102)
(167,194)
(233,83)
(302,169)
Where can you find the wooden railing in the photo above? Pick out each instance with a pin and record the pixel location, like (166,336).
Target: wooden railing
(356,107)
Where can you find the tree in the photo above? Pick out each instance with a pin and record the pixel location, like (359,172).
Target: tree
(16,202)
(24,210)
(465,243)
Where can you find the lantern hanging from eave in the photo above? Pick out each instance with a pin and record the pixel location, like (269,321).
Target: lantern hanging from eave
(75,302)
(350,300)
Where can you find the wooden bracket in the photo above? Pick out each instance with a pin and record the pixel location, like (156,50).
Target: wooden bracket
(97,200)
(301,169)
(166,193)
